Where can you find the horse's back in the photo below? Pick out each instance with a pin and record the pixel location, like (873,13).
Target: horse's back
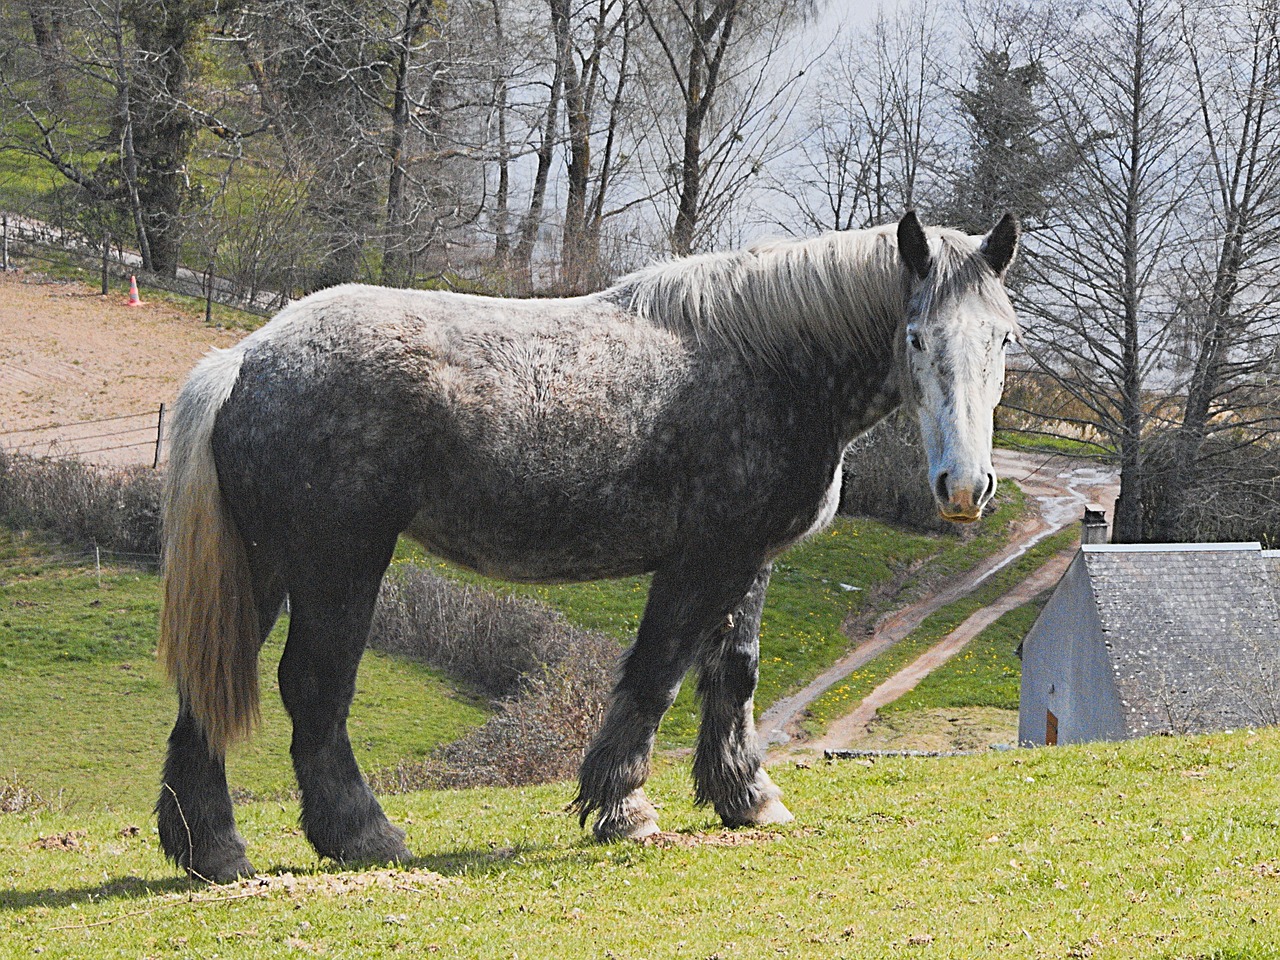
(529,439)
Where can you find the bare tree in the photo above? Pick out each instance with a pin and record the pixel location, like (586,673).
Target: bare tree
(876,137)
(1228,324)
(373,104)
(1100,286)
(721,61)
(597,72)
(134,67)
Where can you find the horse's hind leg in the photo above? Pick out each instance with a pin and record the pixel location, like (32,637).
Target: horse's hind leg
(684,606)
(329,624)
(196,823)
(727,765)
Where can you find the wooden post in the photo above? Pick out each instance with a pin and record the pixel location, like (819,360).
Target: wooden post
(4,245)
(159,438)
(106,255)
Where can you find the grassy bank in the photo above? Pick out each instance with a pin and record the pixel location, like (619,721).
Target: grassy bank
(85,712)
(1163,848)
(985,674)
(846,695)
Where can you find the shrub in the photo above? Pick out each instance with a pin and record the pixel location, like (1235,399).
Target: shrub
(886,477)
(1237,499)
(553,680)
(83,505)
(17,797)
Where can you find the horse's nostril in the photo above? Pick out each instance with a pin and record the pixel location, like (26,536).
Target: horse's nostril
(990,491)
(940,488)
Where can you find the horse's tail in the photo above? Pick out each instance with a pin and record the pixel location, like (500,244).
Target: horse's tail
(209,628)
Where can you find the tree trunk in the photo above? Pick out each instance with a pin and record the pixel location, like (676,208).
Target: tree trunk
(523,256)
(578,172)
(708,43)
(46,30)
(1205,380)
(395,259)
(163,129)
(1129,505)
(502,239)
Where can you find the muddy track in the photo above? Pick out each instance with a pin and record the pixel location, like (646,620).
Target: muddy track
(1059,488)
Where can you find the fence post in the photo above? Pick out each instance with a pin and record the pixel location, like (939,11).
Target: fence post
(159,437)
(208,294)
(4,245)
(106,254)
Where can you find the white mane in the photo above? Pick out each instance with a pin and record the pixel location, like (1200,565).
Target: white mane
(837,292)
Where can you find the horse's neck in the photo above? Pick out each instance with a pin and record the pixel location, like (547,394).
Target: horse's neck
(850,390)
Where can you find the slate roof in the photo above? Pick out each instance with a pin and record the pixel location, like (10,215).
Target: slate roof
(1192,631)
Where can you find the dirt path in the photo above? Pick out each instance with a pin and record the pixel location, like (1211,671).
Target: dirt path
(70,357)
(1060,488)
(853,726)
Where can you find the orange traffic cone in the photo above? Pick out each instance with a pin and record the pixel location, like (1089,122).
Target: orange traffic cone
(133,293)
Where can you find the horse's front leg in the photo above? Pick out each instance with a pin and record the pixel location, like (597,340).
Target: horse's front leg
(728,764)
(685,604)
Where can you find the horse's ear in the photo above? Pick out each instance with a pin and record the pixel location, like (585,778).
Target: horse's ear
(913,245)
(1001,244)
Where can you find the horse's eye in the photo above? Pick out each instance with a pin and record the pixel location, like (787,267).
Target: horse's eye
(1008,339)
(915,340)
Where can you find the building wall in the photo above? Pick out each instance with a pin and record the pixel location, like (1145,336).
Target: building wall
(1066,670)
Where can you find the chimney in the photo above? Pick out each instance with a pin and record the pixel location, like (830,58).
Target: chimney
(1093,528)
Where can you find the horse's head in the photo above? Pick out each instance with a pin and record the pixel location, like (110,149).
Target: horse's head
(958,323)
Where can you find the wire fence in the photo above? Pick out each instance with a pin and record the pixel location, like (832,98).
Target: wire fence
(89,561)
(29,239)
(125,440)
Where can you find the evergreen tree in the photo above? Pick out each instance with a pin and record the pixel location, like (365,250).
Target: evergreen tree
(1009,168)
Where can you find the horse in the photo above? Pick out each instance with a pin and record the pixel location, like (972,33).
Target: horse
(689,421)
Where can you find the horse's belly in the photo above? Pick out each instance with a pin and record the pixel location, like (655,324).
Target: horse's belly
(542,543)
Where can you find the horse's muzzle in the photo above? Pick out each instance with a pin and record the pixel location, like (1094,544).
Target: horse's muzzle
(963,503)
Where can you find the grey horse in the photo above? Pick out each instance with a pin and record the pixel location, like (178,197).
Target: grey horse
(689,421)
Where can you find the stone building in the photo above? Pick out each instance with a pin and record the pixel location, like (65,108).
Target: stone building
(1142,639)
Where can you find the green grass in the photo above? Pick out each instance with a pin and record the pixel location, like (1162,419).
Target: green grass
(84,709)
(1049,443)
(1162,848)
(847,694)
(986,673)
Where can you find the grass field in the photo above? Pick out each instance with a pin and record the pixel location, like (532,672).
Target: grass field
(84,711)
(1163,848)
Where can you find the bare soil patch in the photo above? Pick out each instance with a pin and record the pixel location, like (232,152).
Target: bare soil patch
(941,730)
(70,356)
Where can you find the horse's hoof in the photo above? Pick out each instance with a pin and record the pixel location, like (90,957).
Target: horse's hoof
(614,833)
(768,811)
(772,811)
(225,871)
(634,819)
(379,843)
(639,831)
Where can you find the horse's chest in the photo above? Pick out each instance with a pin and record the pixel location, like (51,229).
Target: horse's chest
(815,518)
(829,505)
